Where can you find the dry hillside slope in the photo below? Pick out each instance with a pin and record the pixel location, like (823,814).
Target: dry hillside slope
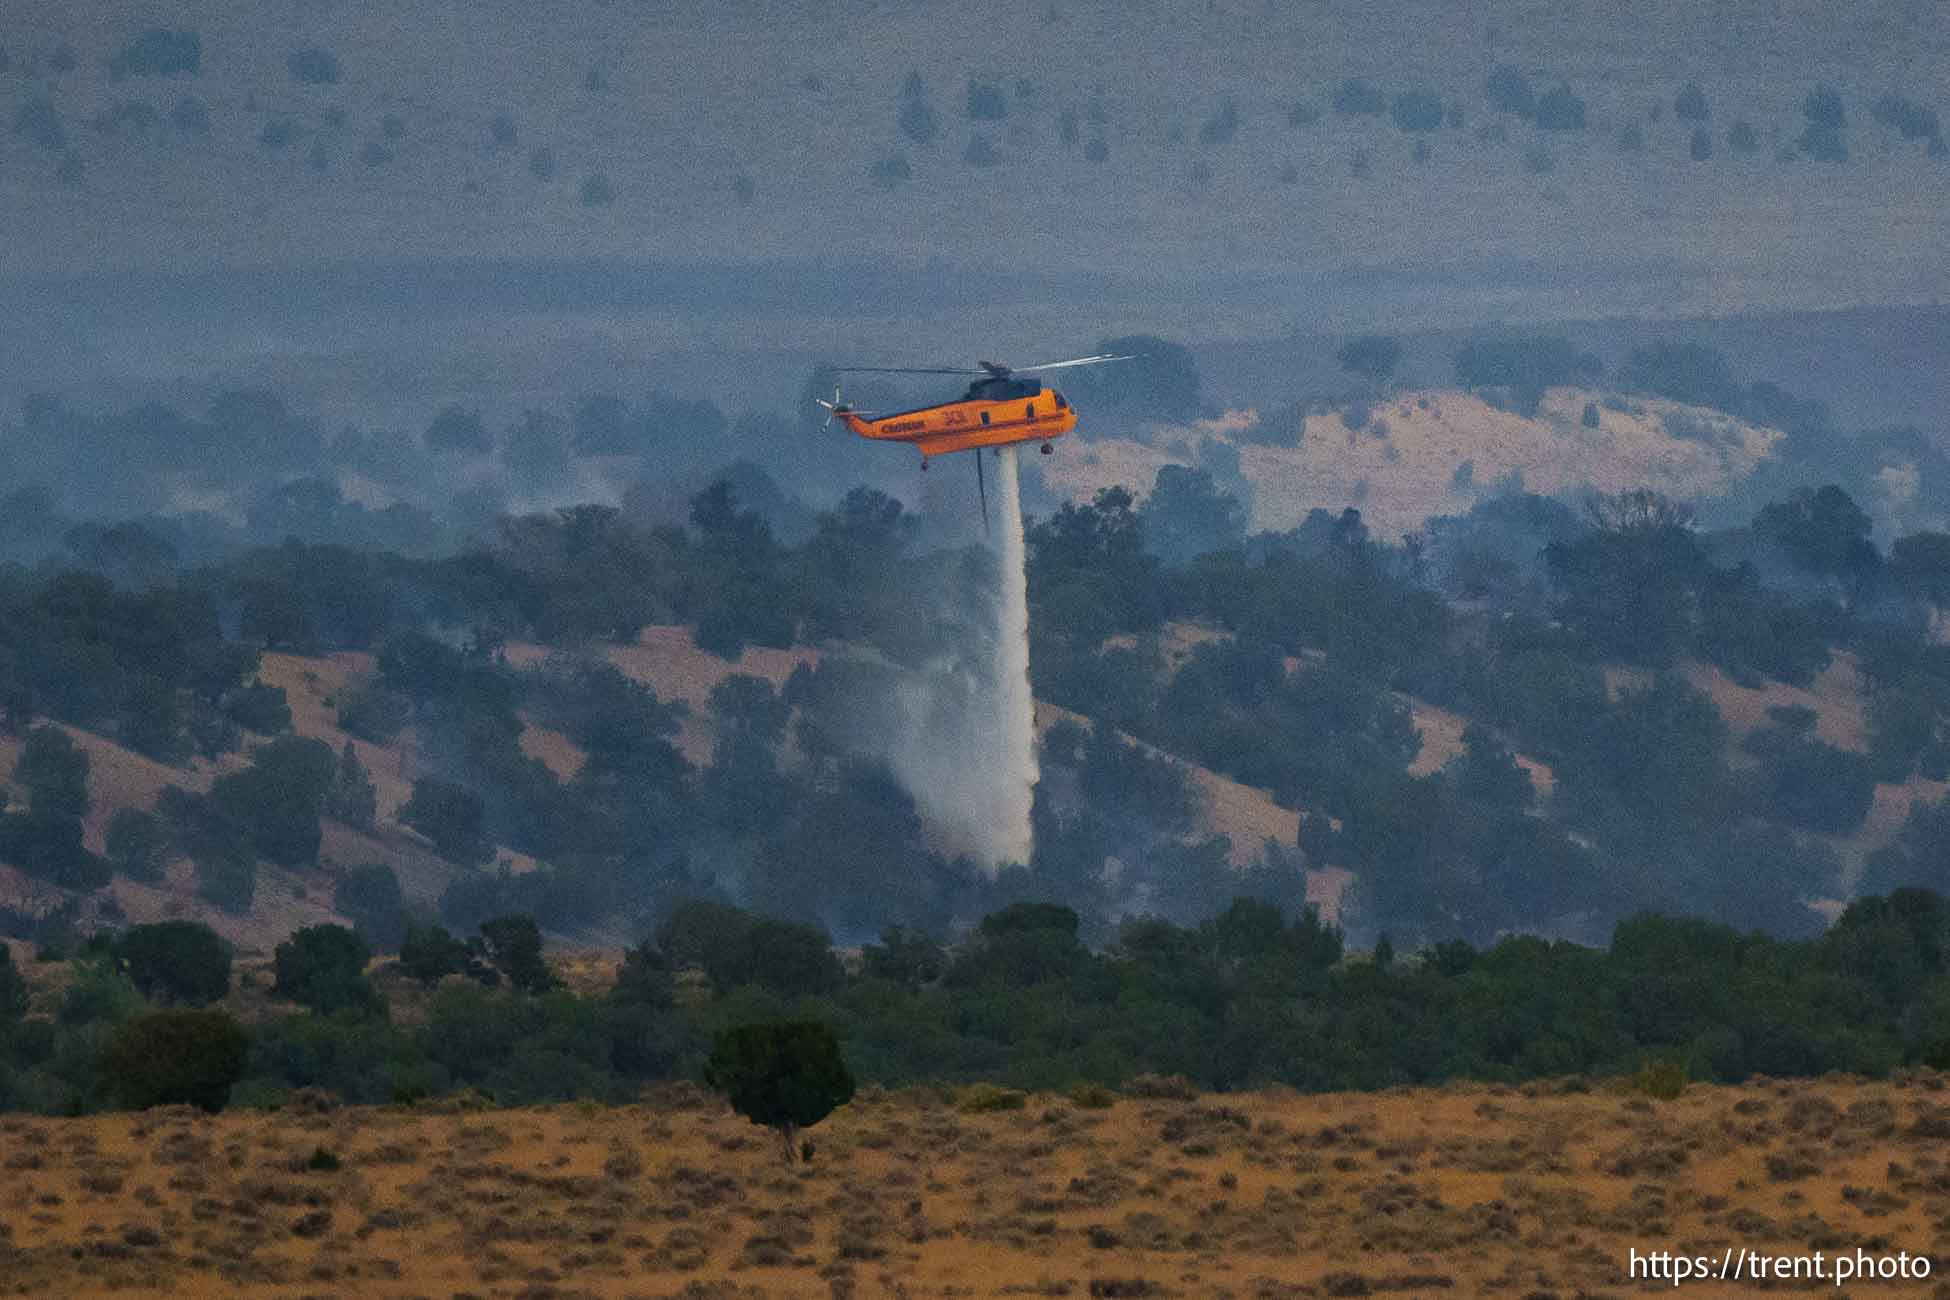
(1419,454)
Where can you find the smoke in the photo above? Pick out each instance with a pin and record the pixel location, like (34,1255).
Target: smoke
(962,738)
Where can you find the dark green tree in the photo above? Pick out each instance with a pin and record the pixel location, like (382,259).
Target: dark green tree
(452,817)
(1186,516)
(277,800)
(174,1058)
(1372,357)
(352,798)
(138,844)
(175,962)
(54,772)
(513,945)
(323,967)
(370,898)
(13,989)
(429,954)
(786,1075)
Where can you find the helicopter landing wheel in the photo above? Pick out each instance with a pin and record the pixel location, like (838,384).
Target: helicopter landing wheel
(1047,449)
(924,464)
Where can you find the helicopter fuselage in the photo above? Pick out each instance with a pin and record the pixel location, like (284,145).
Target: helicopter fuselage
(993,413)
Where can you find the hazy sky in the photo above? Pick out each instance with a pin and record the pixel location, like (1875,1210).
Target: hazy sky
(440,198)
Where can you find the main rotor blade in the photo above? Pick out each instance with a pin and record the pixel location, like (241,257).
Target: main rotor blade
(903,370)
(1080,361)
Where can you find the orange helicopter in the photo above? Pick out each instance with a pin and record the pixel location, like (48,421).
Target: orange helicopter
(998,410)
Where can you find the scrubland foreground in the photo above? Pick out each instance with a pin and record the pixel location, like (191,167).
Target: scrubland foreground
(1464,1191)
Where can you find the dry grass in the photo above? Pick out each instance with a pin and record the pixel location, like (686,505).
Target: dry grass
(1401,467)
(1467,1190)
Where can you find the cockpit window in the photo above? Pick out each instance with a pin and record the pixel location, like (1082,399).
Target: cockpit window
(1002,390)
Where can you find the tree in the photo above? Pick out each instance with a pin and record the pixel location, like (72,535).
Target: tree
(452,817)
(1823,531)
(1373,357)
(352,798)
(13,988)
(734,947)
(513,944)
(259,708)
(429,954)
(457,429)
(323,967)
(177,1058)
(1920,564)
(175,962)
(138,844)
(786,1075)
(277,800)
(1691,104)
(370,898)
(1186,516)
(54,772)
(1486,773)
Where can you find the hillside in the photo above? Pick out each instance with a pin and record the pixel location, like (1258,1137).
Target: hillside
(1469,1190)
(666,659)
(1433,452)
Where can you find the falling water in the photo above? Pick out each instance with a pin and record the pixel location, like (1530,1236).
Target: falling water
(1015,706)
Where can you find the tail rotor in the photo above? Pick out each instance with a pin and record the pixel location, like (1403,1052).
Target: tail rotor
(833,407)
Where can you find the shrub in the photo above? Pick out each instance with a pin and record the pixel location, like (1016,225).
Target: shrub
(1691,104)
(158,52)
(982,1098)
(784,1074)
(597,192)
(1092,1096)
(175,1058)
(1560,110)
(916,117)
(1509,91)
(1665,1080)
(1221,126)
(1161,1087)
(986,102)
(1359,98)
(175,961)
(1416,110)
(313,67)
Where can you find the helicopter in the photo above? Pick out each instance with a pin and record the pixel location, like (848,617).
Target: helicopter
(998,410)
